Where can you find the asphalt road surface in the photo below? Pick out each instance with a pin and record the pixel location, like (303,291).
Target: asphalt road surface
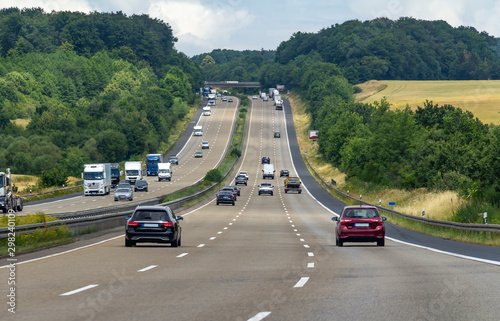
(267,258)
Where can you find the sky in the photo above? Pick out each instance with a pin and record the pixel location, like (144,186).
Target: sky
(204,25)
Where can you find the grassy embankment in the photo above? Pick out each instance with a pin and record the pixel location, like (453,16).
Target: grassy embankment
(481,97)
(437,205)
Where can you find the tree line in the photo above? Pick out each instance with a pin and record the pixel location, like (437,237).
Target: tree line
(436,147)
(78,88)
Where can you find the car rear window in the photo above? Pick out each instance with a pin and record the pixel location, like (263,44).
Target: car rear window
(361,213)
(148,215)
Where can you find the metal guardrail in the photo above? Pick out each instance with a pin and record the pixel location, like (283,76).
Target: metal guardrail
(495,228)
(110,217)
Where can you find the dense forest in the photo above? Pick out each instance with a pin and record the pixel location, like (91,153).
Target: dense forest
(407,49)
(78,88)
(436,147)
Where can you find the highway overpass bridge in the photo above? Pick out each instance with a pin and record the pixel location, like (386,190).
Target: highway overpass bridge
(238,84)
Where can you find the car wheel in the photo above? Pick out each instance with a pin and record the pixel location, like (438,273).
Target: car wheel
(146,190)
(271,194)
(340,242)
(175,243)
(116,200)
(259,193)
(233,203)
(131,199)
(381,242)
(245,184)
(217,203)
(129,243)
(286,191)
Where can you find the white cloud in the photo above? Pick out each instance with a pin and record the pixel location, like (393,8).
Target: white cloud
(49,5)
(198,25)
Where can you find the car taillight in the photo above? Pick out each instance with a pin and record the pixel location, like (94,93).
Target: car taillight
(168,224)
(380,222)
(132,223)
(342,222)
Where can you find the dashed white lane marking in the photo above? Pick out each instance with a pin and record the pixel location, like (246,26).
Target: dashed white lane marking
(306,246)
(302,240)
(147,268)
(310,253)
(259,316)
(301,282)
(219,232)
(310,265)
(201,245)
(212,238)
(79,290)
(182,255)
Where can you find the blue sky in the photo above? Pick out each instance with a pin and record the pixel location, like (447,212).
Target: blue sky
(204,25)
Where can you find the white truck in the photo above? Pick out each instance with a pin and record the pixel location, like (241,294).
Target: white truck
(8,201)
(279,104)
(198,130)
(268,171)
(271,92)
(133,171)
(96,179)
(207,111)
(164,171)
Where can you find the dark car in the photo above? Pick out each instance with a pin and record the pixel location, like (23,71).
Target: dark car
(232,190)
(198,154)
(241,179)
(225,197)
(284,172)
(236,188)
(360,223)
(277,135)
(141,186)
(153,224)
(173,160)
(266,160)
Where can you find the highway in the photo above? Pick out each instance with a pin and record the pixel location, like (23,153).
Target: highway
(267,258)
(216,130)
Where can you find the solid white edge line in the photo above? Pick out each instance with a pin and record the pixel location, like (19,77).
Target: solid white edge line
(65,252)
(79,290)
(147,268)
(390,238)
(259,316)
(445,252)
(182,255)
(301,282)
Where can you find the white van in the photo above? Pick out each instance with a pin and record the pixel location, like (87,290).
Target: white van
(268,171)
(164,171)
(207,111)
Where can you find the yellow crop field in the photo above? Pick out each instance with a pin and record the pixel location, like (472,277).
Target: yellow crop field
(481,97)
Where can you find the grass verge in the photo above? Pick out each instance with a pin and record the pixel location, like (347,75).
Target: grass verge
(40,239)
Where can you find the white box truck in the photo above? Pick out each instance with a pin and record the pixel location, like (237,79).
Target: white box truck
(198,131)
(207,111)
(164,171)
(268,171)
(96,179)
(133,171)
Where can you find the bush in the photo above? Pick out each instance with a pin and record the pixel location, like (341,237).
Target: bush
(235,152)
(54,177)
(213,175)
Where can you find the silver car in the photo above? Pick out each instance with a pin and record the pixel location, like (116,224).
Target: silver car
(266,188)
(124,193)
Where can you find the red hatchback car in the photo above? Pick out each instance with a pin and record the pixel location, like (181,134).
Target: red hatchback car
(360,223)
